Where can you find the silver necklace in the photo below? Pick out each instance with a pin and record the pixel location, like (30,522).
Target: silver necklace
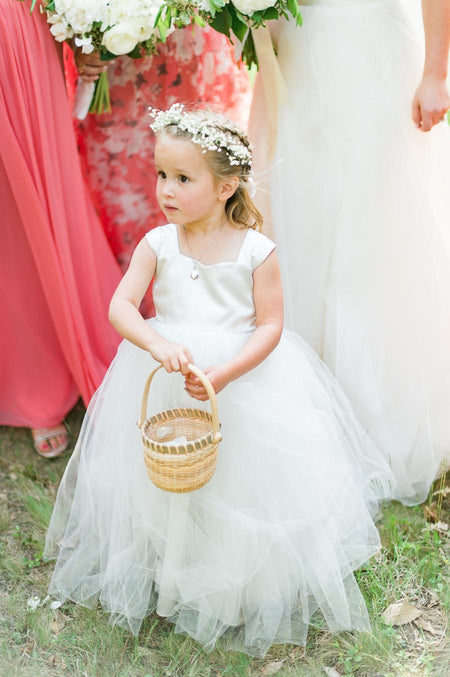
(194,272)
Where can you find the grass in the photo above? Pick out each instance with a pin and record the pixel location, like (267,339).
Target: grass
(412,567)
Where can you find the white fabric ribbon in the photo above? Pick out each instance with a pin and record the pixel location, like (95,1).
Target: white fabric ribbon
(275,92)
(83,98)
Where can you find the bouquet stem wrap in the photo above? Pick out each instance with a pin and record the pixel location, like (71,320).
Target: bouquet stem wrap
(83,98)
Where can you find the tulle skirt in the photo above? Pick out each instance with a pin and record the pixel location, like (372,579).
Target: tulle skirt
(361,213)
(252,556)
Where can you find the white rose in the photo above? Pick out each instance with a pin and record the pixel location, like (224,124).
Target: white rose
(61,32)
(148,31)
(122,38)
(248,7)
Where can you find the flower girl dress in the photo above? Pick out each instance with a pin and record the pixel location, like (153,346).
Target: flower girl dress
(361,213)
(271,542)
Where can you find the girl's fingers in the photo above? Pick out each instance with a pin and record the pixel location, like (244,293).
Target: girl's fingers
(193,381)
(184,361)
(202,397)
(175,362)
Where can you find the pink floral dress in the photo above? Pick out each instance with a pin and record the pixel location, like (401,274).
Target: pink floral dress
(196,67)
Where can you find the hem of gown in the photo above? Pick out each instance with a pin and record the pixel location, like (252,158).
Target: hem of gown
(225,641)
(228,638)
(12,421)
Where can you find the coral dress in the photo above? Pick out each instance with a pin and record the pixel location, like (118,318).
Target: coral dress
(361,213)
(57,271)
(276,534)
(197,67)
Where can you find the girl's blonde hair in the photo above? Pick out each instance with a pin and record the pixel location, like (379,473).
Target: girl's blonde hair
(239,208)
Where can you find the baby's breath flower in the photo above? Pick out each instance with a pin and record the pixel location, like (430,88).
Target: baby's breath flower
(206,134)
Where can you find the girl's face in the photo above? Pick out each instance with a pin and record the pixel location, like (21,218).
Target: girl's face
(187,191)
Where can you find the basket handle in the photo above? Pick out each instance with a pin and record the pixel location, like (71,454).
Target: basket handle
(205,382)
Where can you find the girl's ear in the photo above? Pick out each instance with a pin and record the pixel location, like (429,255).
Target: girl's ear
(228,187)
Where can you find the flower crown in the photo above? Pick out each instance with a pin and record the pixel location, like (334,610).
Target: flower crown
(206,133)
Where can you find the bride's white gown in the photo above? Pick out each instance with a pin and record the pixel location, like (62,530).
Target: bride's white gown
(360,205)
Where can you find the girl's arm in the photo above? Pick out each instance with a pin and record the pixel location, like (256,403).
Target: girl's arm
(125,317)
(268,298)
(431,100)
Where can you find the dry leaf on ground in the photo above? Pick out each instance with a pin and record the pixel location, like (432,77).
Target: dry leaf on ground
(442,527)
(430,512)
(271,668)
(428,627)
(57,662)
(58,622)
(331,672)
(400,613)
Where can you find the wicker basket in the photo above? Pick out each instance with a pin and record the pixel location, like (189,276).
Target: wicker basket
(187,466)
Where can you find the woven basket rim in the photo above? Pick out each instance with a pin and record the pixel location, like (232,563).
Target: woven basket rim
(169,415)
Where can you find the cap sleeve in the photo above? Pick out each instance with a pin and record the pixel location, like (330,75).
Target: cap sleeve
(255,250)
(154,239)
(162,238)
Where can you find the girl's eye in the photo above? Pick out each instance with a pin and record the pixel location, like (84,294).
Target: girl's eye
(161,175)
(183,179)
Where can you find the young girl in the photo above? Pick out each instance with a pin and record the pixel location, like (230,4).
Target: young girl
(276,534)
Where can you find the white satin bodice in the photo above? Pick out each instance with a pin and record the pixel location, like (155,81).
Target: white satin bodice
(222,295)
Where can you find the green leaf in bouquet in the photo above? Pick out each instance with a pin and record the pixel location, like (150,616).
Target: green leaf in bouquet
(107,56)
(136,53)
(249,52)
(163,22)
(197,19)
(162,30)
(216,5)
(159,16)
(222,22)
(294,9)
(238,23)
(270,13)
(292,6)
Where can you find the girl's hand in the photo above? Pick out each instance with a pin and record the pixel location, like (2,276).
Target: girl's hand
(89,66)
(173,356)
(219,377)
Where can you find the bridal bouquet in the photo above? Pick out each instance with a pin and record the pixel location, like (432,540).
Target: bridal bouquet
(237,17)
(111,28)
(135,27)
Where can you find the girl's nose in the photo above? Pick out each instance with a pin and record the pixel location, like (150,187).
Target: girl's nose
(167,189)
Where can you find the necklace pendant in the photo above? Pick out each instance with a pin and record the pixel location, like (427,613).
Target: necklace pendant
(194,273)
